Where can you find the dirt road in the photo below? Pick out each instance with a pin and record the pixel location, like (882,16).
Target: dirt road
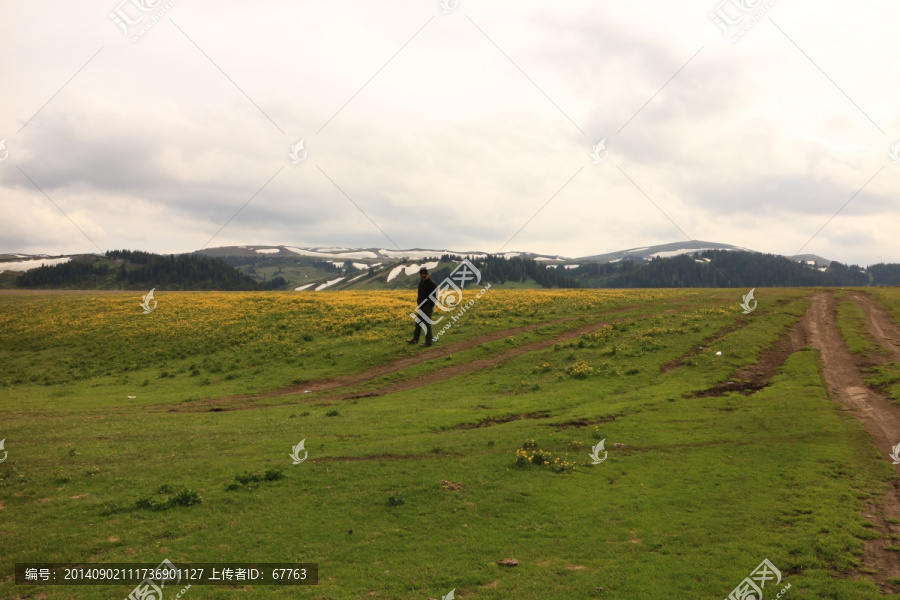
(880,417)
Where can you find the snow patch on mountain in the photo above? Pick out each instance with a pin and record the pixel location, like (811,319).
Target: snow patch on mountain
(27,265)
(409,270)
(357,254)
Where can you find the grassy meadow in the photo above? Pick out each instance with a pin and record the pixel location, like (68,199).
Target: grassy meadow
(119,451)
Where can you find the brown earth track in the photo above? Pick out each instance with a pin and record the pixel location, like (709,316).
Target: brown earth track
(712,339)
(248,401)
(879,324)
(541,414)
(320,385)
(706,342)
(480,364)
(880,418)
(752,378)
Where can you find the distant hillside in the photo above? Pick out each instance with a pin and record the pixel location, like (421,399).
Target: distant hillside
(679,264)
(722,268)
(124,269)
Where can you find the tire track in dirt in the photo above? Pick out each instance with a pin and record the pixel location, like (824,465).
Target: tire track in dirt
(344,381)
(879,323)
(752,378)
(880,418)
(480,364)
(710,340)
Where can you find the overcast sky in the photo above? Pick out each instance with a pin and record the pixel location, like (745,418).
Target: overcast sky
(433,129)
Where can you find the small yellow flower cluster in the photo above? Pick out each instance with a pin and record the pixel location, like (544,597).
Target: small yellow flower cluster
(580,370)
(561,465)
(538,457)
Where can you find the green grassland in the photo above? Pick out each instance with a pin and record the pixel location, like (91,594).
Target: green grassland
(703,490)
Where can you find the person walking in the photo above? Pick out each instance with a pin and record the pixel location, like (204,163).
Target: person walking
(425,306)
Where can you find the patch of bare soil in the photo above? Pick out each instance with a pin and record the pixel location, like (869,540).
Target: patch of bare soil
(541,414)
(752,378)
(880,418)
(375,457)
(577,423)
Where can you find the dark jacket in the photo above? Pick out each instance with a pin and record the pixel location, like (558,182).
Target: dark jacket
(426,286)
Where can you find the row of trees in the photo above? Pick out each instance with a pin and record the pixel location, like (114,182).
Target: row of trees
(711,268)
(136,269)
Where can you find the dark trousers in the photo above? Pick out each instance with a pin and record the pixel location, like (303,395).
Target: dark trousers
(428,310)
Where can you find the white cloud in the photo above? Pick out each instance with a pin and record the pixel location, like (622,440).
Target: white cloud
(151,147)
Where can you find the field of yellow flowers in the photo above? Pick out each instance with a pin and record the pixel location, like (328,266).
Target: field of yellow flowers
(63,338)
(541,430)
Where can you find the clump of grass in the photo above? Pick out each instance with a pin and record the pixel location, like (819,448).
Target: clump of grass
(251,481)
(185,497)
(562,465)
(540,457)
(530,454)
(544,367)
(395,501)
(332,413)
(580,370)
(110,508)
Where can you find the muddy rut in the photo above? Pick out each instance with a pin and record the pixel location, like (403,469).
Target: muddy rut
(880,418)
